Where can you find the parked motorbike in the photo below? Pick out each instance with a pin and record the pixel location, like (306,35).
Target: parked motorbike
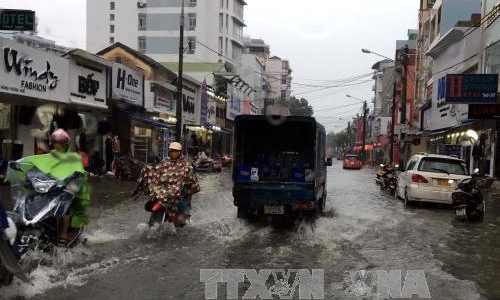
(226,160)
(387,178)
(205,164)
(128,168)
(468,202)
(40,202)
(9,256)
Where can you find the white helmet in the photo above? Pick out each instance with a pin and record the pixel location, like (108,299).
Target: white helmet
(175,146)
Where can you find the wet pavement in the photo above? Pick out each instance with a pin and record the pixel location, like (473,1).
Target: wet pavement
(364,229)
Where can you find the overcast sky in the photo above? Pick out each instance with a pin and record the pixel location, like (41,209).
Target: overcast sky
(322,39)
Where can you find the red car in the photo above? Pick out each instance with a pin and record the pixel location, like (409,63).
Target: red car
(352,161)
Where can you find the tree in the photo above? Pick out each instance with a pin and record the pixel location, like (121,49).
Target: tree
(298,107)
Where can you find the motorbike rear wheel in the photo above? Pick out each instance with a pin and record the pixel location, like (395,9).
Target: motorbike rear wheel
(157,217)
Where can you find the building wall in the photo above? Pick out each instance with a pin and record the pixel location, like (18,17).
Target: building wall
(444,115)
(162,28)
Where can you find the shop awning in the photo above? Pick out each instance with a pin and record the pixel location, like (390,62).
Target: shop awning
(146,121)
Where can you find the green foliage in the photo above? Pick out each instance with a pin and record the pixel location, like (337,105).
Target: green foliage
(298,107)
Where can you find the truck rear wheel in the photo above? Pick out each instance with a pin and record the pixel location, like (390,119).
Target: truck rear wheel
(242,212)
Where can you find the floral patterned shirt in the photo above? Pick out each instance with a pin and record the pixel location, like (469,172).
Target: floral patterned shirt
(169,180)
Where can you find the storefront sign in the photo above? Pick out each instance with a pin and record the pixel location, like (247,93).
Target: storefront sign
(127,84)
(29,72)
(484,111)
(211,112)
(233,106)
(87,84)
(470,88)
(16,19)
(164,102)
(204,103)
(189,94)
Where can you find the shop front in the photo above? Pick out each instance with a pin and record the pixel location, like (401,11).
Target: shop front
(473,144)
(88,96)
(31,80)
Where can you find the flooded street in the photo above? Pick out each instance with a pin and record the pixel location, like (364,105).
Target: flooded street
(364,229)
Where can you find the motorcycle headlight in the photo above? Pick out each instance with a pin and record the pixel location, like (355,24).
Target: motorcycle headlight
(43,186)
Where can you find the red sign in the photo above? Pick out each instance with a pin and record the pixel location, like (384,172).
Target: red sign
(482,111)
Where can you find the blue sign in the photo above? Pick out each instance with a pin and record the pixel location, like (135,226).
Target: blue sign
(471,88)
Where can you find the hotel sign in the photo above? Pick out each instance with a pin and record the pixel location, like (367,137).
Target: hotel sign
(470,88)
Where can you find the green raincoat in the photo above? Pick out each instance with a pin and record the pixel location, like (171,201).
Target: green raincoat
(61,165)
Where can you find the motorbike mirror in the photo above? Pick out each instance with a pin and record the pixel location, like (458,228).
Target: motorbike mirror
(476,171)
(381,165)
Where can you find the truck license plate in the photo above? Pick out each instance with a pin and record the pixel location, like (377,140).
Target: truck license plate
(274,209)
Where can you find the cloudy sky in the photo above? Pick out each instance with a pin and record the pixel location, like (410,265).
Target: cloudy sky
(322,39)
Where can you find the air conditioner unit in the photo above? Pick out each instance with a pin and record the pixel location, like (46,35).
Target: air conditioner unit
(141,4)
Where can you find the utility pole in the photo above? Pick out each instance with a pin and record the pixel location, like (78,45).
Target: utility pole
(363,151)
(393,115)
(349,135)
(404,85)
(178,111)
(404,80)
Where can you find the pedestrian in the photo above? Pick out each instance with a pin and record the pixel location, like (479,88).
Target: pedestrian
(108,143)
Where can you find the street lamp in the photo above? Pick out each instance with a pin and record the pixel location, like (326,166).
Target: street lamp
(371,52)
(364,127)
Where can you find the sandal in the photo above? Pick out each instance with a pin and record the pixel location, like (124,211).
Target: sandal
(63,242)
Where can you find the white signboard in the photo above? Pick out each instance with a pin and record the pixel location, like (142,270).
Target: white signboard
(87,84)
(189,94)
(127,84)
(211,111)
(234,103)
(29,72)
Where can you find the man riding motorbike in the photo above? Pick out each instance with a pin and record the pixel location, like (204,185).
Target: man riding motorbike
(171,182)
(60,164)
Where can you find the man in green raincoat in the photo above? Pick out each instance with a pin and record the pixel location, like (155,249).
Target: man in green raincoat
(60,164)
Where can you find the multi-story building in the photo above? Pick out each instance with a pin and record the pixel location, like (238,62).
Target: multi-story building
(213,30)
(279,79)
(384,76)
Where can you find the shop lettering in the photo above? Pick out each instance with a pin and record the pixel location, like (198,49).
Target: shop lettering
(122,77)
(30,85)
(187,105)
(21,65)
(87,85)
(211,111)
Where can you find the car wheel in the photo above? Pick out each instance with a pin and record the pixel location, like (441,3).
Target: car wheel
(407,201)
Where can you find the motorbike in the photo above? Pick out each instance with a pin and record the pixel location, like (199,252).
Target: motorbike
(387,179)
(468,202)
(128,168)
(226,160)
(9,256)
(40,202)
(161,214)
(205,164)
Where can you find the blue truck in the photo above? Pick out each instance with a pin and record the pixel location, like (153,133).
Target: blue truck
(279,166)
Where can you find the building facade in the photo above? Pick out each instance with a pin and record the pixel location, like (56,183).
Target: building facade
(213,30)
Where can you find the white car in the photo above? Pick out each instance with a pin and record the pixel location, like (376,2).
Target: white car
(430,178)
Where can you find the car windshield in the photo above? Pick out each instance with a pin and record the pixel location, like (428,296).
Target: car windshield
(443,165)
(351,157)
